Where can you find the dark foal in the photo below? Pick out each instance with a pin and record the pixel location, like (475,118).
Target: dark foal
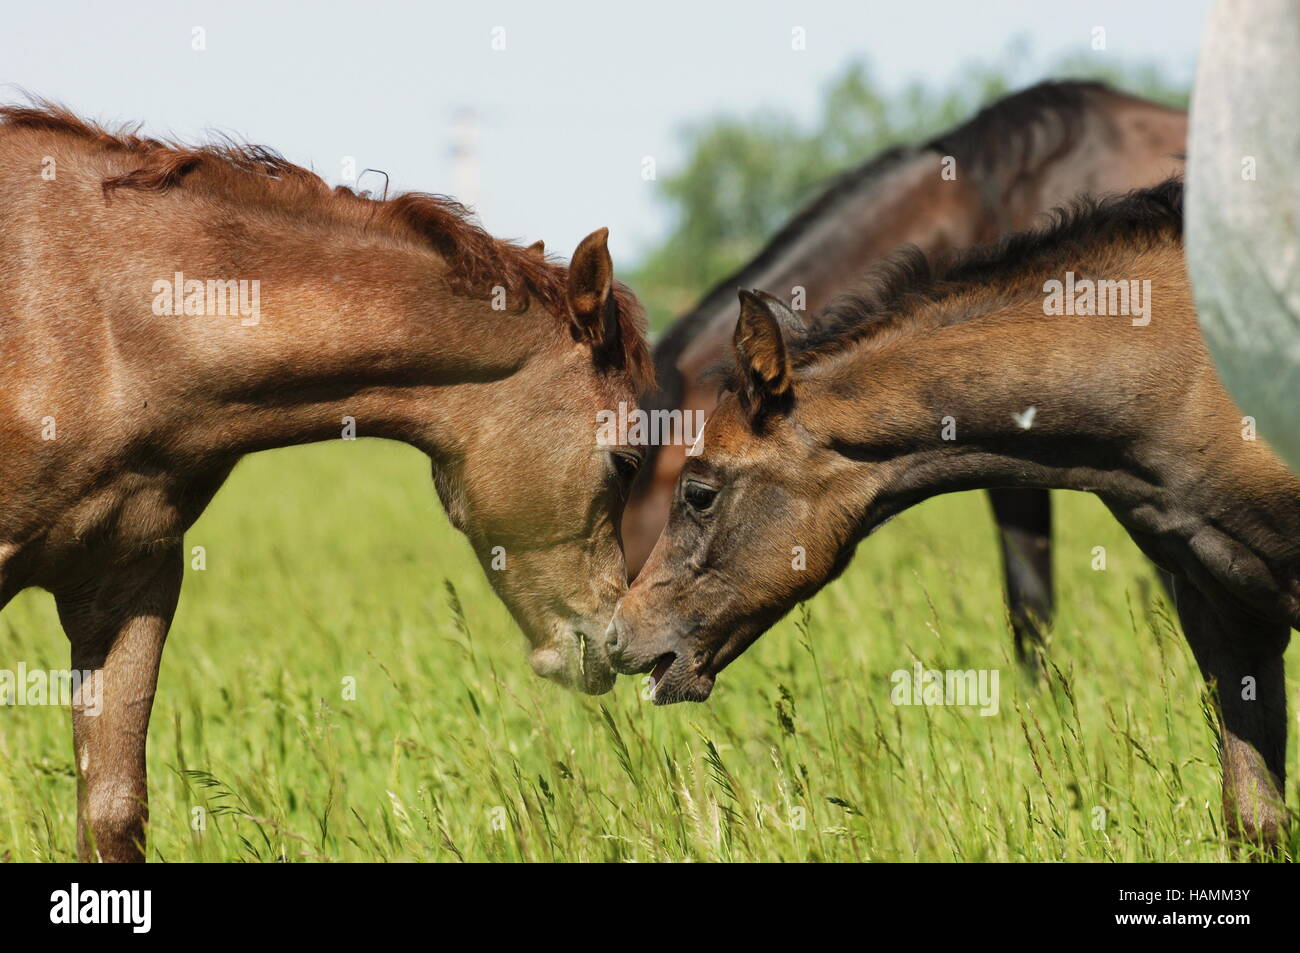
(972,377)
(1002,171)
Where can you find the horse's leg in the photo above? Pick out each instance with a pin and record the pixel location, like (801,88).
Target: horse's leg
(117,624)
(1167,583)
(1024,519)
(1243,658)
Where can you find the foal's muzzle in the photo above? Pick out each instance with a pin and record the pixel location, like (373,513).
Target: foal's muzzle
(677,666)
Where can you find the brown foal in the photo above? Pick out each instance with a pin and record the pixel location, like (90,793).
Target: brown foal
(167,310)
(989,373)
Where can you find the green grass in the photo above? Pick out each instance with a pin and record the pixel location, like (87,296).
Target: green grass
(334,561)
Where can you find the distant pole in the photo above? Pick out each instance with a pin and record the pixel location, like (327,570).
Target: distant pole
(465,157)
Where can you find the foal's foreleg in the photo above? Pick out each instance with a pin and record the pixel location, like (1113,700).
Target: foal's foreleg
(1243,657)
(117,624)
(1024,519)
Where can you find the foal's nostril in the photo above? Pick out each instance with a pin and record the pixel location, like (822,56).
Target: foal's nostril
(613,635)
(616,645)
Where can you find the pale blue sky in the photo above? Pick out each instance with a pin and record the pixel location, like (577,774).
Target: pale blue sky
(581,92)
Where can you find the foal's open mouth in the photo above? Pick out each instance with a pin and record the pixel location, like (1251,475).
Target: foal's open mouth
(672,681)
(661,666)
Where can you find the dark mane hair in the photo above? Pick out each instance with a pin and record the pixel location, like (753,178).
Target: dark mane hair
(1013,137)
(476,261)
(906,280)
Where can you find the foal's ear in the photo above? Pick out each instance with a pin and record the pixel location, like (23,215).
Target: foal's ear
(792,325)
(537,249)
(591,278)
(761,357)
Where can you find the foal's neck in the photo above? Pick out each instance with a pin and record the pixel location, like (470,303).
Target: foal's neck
(1011,397)
(364,337)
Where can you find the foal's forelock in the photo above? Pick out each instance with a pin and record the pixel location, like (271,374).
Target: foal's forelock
(256,177)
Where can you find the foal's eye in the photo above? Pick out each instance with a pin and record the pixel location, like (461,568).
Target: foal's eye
(626,465)
(699,496)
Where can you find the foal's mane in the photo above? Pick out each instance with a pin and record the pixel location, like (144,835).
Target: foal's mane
(476,261)
(896,290)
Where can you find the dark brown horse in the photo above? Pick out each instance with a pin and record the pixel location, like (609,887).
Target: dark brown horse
(1002,171)
(167,310)
(1064,359)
